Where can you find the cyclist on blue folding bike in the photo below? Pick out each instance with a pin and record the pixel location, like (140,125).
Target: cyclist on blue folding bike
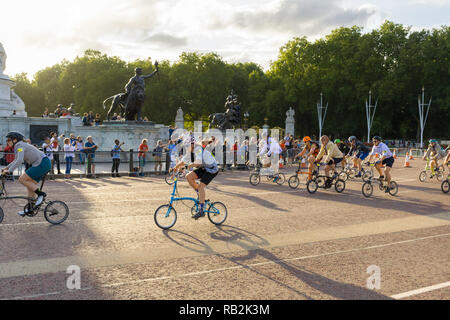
(206,169)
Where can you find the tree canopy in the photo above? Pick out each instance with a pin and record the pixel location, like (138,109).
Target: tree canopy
(392,61)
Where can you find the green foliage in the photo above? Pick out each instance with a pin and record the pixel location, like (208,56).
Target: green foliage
(393,62)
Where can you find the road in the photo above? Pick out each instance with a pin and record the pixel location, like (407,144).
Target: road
(277,243)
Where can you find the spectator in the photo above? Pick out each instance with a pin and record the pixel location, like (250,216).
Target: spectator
(91,118)
(86,120)
(146,119)
(143,149)
(98,120)
(119,118)
(47,149)
(114,117)
(90,148)
(73,140)
(55,148)
(45,115)
(115,153)
(9,154)
(157,153)
(171,131)
(69,155)
(79,149)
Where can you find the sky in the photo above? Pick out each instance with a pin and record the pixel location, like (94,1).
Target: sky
(37,34)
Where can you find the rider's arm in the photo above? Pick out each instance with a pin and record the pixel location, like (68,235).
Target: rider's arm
(321,153)
(18,160)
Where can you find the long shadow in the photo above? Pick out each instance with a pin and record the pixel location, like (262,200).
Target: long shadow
(252,243)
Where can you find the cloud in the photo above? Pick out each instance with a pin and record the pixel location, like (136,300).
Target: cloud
(305,17)
(167,40)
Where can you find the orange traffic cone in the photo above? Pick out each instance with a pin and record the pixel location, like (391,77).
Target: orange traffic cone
(411,156)
(395,155)
(281,162)
(407,165)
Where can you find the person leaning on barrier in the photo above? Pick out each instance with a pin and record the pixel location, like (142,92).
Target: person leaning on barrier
(115,153)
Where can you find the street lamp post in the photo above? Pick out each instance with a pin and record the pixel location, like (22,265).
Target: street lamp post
(370,115)
(322,113)
(246,116)
(423,117)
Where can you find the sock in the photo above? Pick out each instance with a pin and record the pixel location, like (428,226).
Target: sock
(201,207)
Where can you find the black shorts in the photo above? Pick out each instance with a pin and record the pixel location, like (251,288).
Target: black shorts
(204,176)
(389,162)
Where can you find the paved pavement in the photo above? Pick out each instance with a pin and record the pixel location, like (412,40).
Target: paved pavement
(277,243)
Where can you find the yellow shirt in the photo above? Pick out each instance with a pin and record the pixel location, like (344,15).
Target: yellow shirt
(331,150)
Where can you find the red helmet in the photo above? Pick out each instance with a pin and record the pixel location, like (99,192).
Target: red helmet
(306,139)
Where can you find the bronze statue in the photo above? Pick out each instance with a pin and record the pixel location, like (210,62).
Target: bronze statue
(130,102)
(232,116)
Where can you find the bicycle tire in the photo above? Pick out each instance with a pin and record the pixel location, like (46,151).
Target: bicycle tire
(294,182)
(351,173)
(222,211)
(343,176)
(440,176)
(2,215)
(312,186)
(339,186)
(169,179)
(445,186)
(281,179)
(165,211)
(393,188)
(367,189)
(321,181)
(423,176)
(367,176)
(51,210)
(255,179)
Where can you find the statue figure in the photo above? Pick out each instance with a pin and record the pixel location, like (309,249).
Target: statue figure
(130,103)
(3,57)
(290,114)
(231,117)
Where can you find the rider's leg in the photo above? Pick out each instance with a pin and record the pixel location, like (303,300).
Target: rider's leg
(433,166)
(201,193)
(30,184)
(191,178)
(378,167)
(310,167)
(387,171)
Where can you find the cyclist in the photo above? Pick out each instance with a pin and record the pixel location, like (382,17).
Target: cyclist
(362,152)
(206,170)
(40,166)
(309,152)
(435,152)
(344,149)
(333,156)
(387,159)
(269,154)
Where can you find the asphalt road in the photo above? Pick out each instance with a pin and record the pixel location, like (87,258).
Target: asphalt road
(277,243)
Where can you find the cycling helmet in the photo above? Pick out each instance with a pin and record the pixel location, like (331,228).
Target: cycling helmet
(352,138)
(306,139)
(337,141)
(15,135)
(378,138)
(433,141)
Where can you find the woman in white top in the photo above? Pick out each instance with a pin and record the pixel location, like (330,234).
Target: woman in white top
(69,155)
(79,148)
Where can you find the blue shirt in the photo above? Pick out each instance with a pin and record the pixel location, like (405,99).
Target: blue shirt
(91,151)
(116,152)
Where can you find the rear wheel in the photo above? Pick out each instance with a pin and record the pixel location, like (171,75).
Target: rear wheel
(367,176)
(281,179)
(445,186)
(440,176)
(217,213)
(294,182)
(312,186)
(56,212)
(165,217)
(343,176)
(321,181)
(393,190)
(423,176)
(351,173)
(255,179)
(339,186)
(367,189)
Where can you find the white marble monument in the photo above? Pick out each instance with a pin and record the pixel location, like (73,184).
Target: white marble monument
(10,103)
(290,122)
(179,120)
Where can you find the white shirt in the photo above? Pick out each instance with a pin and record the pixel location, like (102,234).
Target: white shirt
(69,149)
(48,150)
(382,150)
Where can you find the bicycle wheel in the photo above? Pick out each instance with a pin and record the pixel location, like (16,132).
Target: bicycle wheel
(367,189)
(339,186)
(445,187)
(312,186)
(343,176)
(293,182)
(367,176)
(255,179)
(2,215)
(281,179)
(393,188)
(56,212)
(423,176)
(169,179)
(165,217)
(351,173)
(440,176)
(217,213)
(321,181)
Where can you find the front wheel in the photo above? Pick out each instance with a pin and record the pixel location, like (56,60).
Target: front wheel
(56,212)
(170,179)
(294,181)
(165,217)
(343,176)
(2,215)
(445,187)
(367,189)
(217,213)
(440,176)
(255,179)
(351,173)
(367,176)
(312,186)
(423,176)
(393,189)
(339,186)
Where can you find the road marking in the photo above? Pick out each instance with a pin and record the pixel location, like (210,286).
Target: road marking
(421,290)
(117,284)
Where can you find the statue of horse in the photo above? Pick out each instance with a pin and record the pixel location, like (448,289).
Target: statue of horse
(118,100)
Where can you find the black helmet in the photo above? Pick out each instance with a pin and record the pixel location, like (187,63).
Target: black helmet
(15,135)
(378,138)
(352,138)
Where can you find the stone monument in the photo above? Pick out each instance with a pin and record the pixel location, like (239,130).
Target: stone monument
(290,122)
(10,103)
(179,119)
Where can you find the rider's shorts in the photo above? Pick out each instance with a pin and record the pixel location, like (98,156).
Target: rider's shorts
(37,173)
(204,176)
(362,155)
(337,160)
(389,162)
